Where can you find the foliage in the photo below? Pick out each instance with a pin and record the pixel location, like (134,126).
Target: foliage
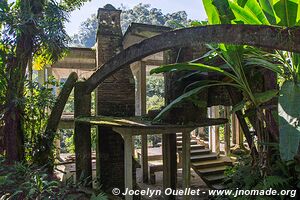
(155,93)
(233,56)
(49,37)
(244,176)
(70,5)
(283,13)
(30,30)
(23,181)
(67,140)
(289,119)
(38,101)
(141,13)
(155,86)
(86,37)
(155,102)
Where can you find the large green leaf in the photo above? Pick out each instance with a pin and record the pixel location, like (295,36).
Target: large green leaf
(187,96)
(211,12)
(243,14)
(253,7)
(225,13)
(264,63)
(286,10)
(200,83)
(190,67)
(267,7)
(298,14)
(289,113)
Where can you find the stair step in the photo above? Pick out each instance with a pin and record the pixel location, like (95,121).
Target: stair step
(193,146)
(215,178)
(212,170)
(200,151)
(179,139)
(191,142)
(208,163)
(218,186)
(211,156)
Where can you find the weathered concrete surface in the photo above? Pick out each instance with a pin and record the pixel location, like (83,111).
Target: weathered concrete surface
(260,36)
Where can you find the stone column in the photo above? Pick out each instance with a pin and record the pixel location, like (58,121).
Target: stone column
(141,110)
(141,88)
(215,133)
(115,97)
(227,132)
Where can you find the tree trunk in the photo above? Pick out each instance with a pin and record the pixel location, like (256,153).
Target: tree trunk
(13,132)
(16,67)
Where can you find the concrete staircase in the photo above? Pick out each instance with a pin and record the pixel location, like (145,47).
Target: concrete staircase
(208,165)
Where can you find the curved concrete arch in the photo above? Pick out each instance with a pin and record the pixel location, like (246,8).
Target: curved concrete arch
(255,35)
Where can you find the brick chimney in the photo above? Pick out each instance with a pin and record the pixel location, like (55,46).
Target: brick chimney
(115,97)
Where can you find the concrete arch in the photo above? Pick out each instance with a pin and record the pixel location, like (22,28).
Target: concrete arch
(255,35)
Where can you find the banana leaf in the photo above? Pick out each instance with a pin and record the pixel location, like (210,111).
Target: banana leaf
(268,10)
(192,67)
(254,8)
(286,10)
(211,11)
(289,114)
(243,14)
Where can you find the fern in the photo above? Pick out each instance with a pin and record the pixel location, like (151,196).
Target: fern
(275,181)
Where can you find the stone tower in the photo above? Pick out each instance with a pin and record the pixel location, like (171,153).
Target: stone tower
(115,97)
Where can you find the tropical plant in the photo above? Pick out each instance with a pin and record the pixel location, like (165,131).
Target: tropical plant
(282,13)
(246,177)
(238,59)
(30,29)
(24,181)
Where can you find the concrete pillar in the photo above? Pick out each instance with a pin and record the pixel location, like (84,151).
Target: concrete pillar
(141,110)
(227,132)
(210,129)
(186,161)
(237,133)
(141,88)
(234,128)
(215,133)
